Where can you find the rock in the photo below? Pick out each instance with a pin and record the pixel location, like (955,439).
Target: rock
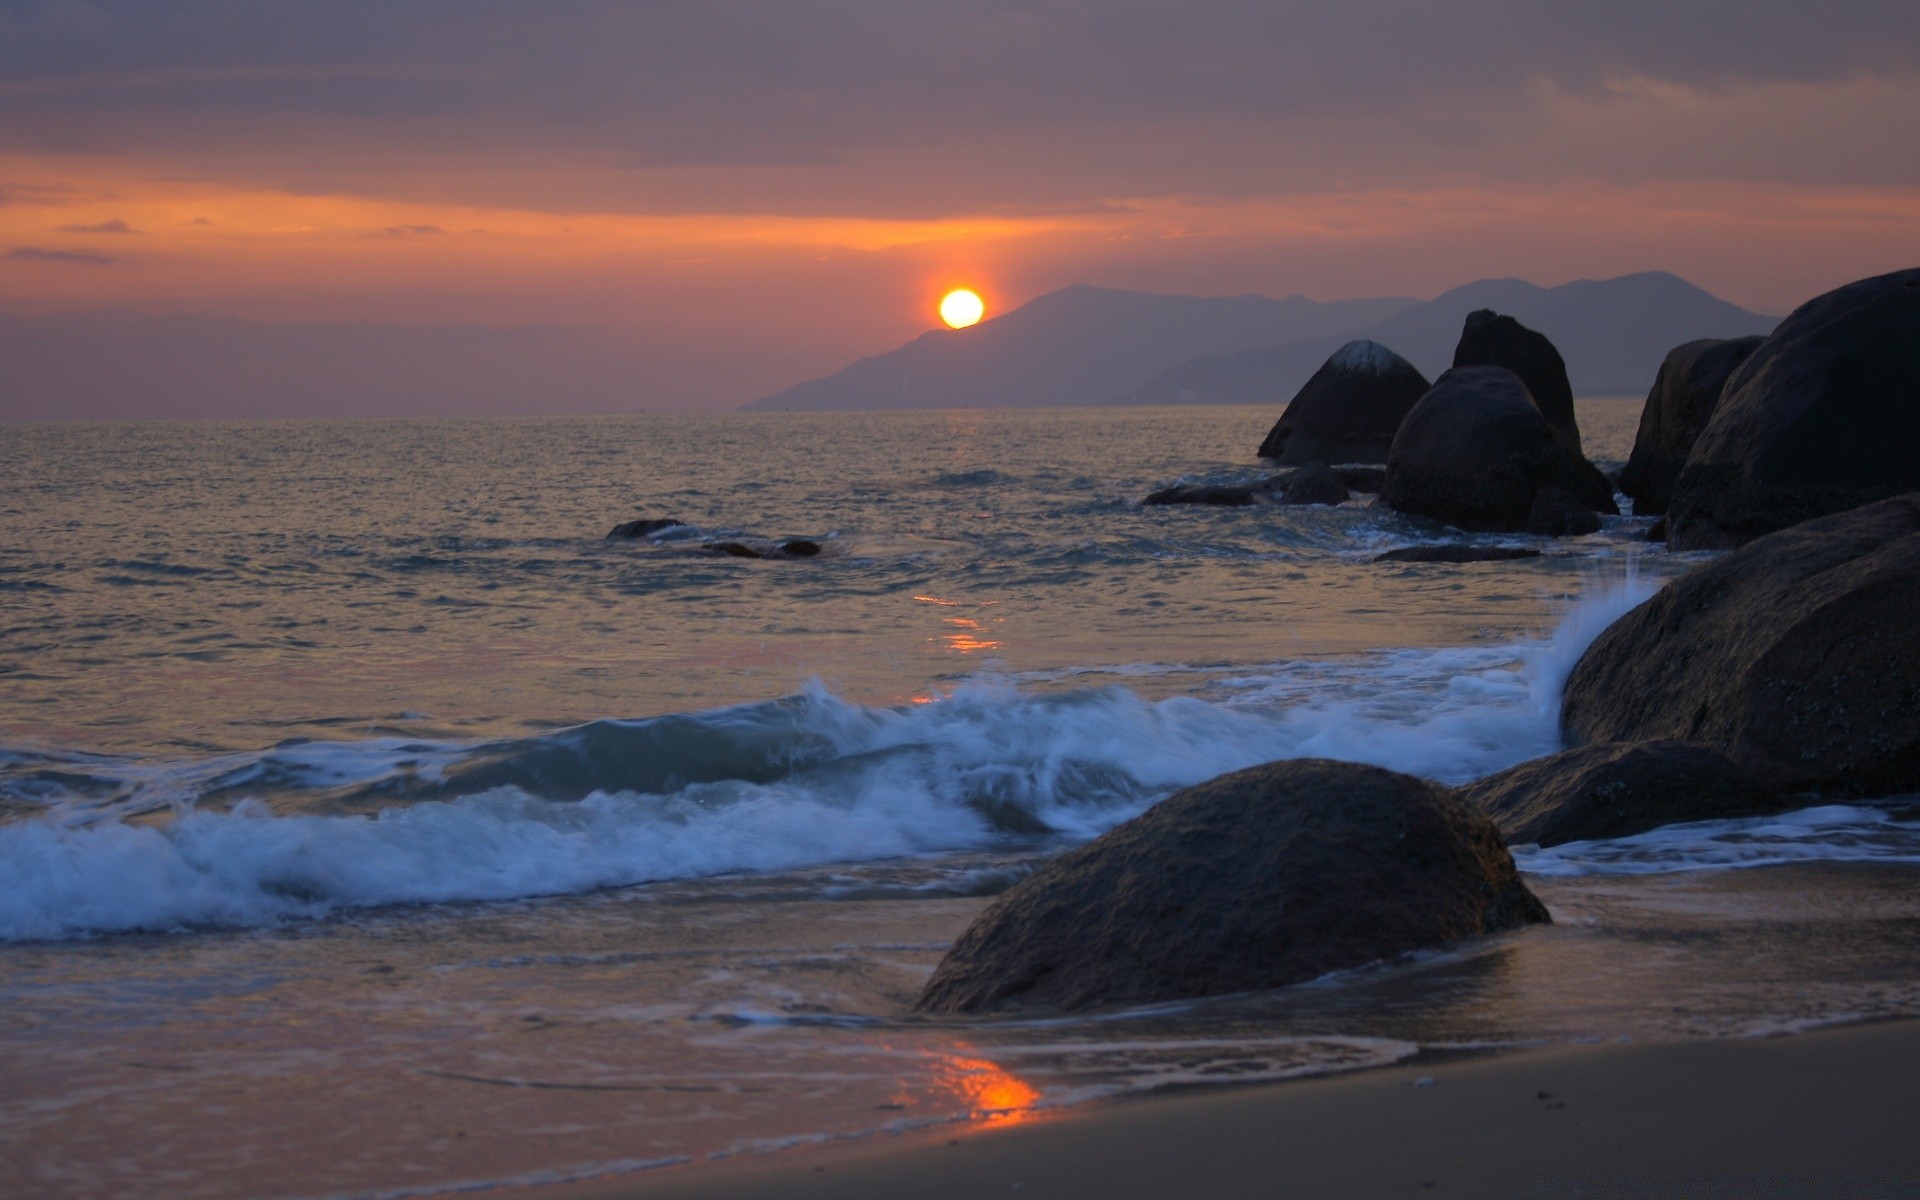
(1229,495)
(1614,789)
(1657,532)
(1822,417)
(643,528)
(1491,340)
(1257,879)
(1798,655)
(1555,513)
(1357,478)
(1451,552)
(1314,483)
(1349,410)
(1684,395)
(733,549)
(1475,450)
(799,548)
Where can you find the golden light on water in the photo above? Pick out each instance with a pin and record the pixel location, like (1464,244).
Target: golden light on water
(962,307)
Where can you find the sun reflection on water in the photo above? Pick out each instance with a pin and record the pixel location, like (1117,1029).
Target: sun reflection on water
(991,1093)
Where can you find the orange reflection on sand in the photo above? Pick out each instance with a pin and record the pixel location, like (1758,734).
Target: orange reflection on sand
(992,1093)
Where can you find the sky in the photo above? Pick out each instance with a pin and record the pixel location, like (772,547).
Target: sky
(730,196)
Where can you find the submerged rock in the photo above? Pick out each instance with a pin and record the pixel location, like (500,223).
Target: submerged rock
(1314,483)
(733,549)
(800,547)
(1798,655)
(1614,789)
(1229,495)
(1476,449)
(1349,410)
(1492,340)
(1257,879)
(1684,395)
(1824,415)
(1356,477)
(1556,513)
(1453,552)
(646,527)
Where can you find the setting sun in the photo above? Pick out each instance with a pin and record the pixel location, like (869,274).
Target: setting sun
(962,307)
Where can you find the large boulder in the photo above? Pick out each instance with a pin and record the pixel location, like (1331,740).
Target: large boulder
(1822,417)
(1476,449)
(1684,395)
(1257,879)
(1613,789)
(1492,340)
(1798,655)
(1349,410)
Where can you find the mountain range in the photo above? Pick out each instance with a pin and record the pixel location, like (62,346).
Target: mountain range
(1088,345)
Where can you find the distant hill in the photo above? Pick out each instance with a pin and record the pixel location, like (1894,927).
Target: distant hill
(1079,345)
(1612,332)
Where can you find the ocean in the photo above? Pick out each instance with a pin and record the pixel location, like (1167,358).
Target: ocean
(371,825)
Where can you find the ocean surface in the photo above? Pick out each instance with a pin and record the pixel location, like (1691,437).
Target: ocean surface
(372,825)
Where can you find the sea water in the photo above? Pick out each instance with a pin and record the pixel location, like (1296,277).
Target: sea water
(372,824)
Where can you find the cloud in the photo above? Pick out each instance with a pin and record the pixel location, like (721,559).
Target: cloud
(410,231)
(36,254)
(114,226)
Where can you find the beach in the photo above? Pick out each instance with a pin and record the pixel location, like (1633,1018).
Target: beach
(1822,1114)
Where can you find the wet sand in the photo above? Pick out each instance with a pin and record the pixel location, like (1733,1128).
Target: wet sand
(1827,1113)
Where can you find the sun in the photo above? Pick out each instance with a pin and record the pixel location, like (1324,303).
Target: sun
(962,307)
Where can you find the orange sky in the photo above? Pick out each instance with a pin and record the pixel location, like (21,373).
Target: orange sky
(749,221)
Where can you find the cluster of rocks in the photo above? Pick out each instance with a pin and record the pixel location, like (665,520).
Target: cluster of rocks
(1787,669)
(652,528)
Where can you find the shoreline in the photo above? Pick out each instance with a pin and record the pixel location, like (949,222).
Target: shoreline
(1826,1112)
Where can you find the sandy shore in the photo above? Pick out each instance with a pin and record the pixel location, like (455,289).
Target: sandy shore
(1826,1114)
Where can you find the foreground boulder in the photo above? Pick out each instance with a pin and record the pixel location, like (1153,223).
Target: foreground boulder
(1822,417)
(1349,410)
(1614,789)
(1798,655)
(1684,395)
(1257,879)
(1476,449)
(1492,340)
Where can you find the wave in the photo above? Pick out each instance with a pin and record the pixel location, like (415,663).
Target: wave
(307,827)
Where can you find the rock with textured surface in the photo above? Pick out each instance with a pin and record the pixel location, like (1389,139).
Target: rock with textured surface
(1683,398)
(1798,655)
(1258,879)
(1557,513)
(1614,789)
(1492,340)
(1822,417)
(1476,449)
(1349,410)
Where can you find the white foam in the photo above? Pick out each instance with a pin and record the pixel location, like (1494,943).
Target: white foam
(1827,833)
(863,783)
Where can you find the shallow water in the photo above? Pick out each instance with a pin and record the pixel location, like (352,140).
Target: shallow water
(370,824)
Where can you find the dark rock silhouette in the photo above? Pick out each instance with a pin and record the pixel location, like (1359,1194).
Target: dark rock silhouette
(1357,478)
(1257,879)
(1315,483)
(1614,789)
(1557,513)
(1349,410)
(1231,495)
(1684,396)
(800,547)
(1798,655)
(1475,450)
(1823,416)
(1450,552)
(1492,340)
(643,528)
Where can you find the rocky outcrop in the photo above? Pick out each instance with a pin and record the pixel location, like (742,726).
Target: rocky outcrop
(1476,450)
(1349,410)
(1684,395)
(1798,655)
(1257,879)
(1451,552)
(1492,340)
(1822,417)
(1314,483)
(1613,789)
